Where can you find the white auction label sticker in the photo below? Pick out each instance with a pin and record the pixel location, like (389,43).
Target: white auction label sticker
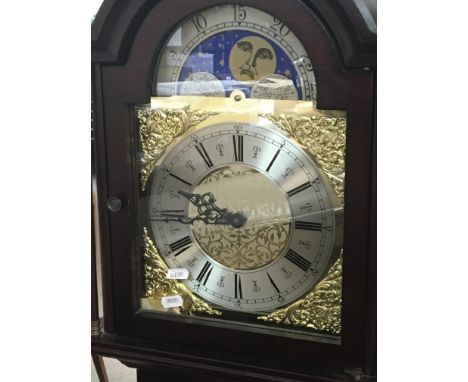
(177,273)
(172,301)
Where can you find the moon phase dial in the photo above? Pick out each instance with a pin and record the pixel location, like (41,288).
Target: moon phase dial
(246,212)
(231,47)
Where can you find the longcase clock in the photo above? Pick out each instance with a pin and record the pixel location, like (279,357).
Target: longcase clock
(235,163)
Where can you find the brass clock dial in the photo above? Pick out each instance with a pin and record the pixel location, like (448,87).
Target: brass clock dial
(237,201)
(246,212)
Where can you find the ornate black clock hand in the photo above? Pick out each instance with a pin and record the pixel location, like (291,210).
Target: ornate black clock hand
(210,213)
(173,218)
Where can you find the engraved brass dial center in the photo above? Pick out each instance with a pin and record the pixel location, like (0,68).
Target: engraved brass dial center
(264,228)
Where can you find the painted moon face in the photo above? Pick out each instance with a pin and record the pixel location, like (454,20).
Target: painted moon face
(251,58)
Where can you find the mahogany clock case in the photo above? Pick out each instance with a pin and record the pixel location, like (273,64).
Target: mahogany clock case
(126,40)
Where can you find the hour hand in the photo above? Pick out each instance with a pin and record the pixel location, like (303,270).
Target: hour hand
(200,201)
(210,213)
(205,203)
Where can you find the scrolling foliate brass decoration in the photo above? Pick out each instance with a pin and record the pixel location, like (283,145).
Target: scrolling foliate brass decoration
(157,285)
(324,138)
(267,231)
(320,309)
(158,129)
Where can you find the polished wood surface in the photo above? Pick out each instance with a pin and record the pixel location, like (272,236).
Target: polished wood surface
(154,362)
(94,287)
(97,358)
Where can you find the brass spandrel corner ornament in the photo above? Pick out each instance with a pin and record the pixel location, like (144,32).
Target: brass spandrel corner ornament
(157,285)
(320,309)
(158,129)
(323,137)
